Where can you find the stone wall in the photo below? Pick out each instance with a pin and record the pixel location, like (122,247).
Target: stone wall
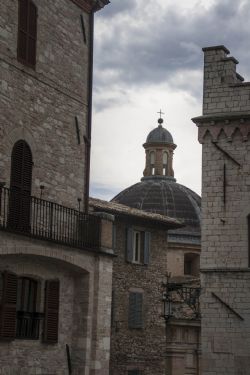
(40,105)
(145,348)
(84,311)
(223,131)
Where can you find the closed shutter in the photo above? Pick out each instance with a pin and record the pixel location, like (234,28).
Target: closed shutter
(135,319)
(147,240)
(51,311)
(20,186)
(129,250)
(8,307)
(27,32)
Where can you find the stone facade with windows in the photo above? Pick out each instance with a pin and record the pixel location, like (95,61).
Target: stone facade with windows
(158,192)
(138,339)
(55,258)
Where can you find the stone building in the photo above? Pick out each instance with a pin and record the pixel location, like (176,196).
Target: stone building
(138,337)
(159,193)
(225,262)
(55,260)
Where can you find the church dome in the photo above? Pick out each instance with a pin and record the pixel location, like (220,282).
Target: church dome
(160,135)
(158,191)
(166,197)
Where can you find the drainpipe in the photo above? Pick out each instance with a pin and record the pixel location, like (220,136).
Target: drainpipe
(87,138)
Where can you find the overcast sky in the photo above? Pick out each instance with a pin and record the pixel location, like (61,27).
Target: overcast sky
(148,57)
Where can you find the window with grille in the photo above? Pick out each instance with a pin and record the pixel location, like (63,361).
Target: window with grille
(19,316)
(27,33)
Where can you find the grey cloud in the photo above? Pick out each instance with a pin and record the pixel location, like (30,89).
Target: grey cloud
(118,7)
(161,47)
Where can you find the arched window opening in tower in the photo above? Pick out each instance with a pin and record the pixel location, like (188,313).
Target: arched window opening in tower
(165,163)
(152,162)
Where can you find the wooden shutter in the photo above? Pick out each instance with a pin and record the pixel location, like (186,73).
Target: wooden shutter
(147,240)
(8,307)
(27,32)
(129,250)
(51,311)
(135,319)
(20,186)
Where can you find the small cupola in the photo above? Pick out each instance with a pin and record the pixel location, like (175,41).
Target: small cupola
(159,148)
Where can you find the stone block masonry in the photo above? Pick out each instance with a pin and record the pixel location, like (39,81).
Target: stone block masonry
(40,105)
(224,133)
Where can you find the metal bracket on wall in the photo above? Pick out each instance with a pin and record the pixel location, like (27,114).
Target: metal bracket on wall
(230,157)
(227,306)
(83,29)
(77,130)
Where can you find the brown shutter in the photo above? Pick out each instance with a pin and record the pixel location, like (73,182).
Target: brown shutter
(32,30)
(22,30)
(27,32)
(8,307)
(51,311)
(20,186)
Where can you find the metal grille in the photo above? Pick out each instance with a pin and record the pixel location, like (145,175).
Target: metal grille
(49,221)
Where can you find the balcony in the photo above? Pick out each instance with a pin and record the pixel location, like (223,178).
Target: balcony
(31,216)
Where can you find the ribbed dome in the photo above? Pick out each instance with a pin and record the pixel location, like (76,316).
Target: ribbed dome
(159,135)
(166,197)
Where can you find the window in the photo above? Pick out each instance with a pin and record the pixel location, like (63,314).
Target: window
(165,163)
(18,311)
(20,186)
(27,33)
(152,162)
(138,246)
(135,313)
(191,264)
(27,317)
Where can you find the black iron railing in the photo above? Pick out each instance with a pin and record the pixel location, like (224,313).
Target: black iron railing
(28,325)
(28,215)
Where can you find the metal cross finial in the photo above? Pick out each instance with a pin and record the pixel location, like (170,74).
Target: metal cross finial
(161,113)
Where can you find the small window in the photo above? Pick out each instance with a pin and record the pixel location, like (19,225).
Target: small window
(191,264)
(135,310)
(138,246)
(165,163)
(27,33)
(27,319)
(152,157)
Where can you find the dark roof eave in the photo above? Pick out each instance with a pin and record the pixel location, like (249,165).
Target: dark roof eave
(124,211)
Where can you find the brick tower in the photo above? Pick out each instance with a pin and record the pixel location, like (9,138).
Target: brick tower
(224,133)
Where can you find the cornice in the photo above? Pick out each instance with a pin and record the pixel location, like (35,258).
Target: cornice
(91,5)
(228,123)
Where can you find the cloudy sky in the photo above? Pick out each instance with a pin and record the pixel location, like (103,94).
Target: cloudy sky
(148,57)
